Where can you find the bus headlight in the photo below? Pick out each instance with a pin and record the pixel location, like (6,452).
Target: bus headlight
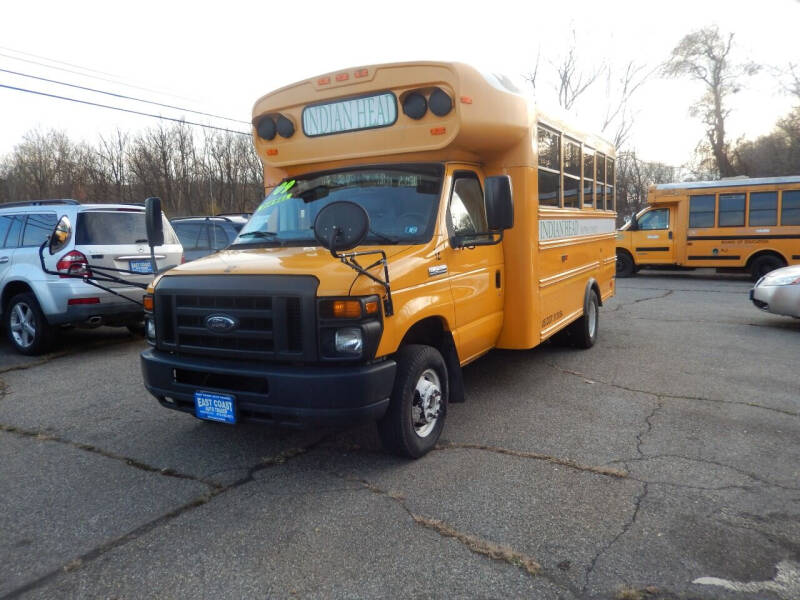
(150,329)
(348,340)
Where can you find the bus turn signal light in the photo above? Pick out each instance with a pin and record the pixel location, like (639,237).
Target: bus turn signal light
(347,309)
(147,301)
(371,307)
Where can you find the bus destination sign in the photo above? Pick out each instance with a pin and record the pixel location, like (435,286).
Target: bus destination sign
(352,114)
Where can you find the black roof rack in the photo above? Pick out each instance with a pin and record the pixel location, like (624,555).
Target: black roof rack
(39,203)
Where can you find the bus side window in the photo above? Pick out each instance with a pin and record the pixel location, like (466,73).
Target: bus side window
(702,210)
(790,207)
(655,219)
(763,209)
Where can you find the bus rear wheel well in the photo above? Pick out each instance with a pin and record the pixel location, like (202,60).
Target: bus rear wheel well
(762,262)
(761,253)
(431,331)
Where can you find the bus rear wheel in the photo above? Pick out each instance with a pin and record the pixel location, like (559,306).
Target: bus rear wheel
(625,266)
(763,265)
(418,405)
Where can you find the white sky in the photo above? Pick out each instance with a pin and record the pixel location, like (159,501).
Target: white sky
(220,57)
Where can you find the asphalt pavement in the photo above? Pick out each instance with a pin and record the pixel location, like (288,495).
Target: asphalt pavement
(663,463)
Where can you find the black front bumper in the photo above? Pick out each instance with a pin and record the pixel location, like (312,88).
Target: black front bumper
(282,394)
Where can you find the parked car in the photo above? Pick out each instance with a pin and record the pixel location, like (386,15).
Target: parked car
(201,236)
(34,304)
(779,292)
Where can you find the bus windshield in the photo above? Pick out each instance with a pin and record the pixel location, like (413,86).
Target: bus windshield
(401,201)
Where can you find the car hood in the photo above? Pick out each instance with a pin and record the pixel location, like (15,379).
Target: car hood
(792,271)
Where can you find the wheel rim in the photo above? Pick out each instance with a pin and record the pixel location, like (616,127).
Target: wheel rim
(23,325)
(592,316)
(426,406)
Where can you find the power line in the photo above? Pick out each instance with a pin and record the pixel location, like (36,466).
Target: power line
(88,89)
(60,62)
(117,81)
(127,110)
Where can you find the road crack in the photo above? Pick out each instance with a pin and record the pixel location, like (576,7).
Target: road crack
(131,462)
(86,558)
(477,545)
(592,379)
(626,304)
(565,462)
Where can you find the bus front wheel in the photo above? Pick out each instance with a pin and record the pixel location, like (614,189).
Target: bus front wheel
(418,405)
(625,266)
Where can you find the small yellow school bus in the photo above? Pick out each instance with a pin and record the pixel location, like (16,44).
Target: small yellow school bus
(750,224)
(418,215)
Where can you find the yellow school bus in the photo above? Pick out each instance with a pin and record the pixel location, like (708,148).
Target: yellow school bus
(418,215)
(750,224)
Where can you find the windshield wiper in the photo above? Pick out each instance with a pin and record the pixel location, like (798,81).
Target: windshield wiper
(384,237)
(259,234)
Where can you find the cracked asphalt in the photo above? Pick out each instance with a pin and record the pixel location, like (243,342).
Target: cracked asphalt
(663,463)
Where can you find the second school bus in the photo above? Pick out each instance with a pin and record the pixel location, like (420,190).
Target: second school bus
(750,224)
(478,222)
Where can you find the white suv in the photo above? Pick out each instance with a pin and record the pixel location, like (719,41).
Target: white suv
(33,303)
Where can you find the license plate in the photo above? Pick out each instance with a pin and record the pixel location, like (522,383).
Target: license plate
(215,407)
(141,266)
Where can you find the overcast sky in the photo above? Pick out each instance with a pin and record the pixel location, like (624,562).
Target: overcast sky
(220,57)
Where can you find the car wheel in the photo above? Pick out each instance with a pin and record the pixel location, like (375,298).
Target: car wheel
(763,265)
(418,405)
(26,326)
(625,266)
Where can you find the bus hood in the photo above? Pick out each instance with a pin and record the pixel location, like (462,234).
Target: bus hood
(334,277)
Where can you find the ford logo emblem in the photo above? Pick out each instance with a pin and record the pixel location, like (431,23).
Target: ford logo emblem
(221,323)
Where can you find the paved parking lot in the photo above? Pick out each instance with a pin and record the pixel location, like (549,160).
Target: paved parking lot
(662,463)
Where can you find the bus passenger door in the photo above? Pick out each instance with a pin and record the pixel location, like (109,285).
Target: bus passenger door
(653,240)
(477,278)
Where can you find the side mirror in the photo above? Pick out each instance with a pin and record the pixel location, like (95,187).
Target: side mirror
(341,225)
(155,226)
(60,236)
(634,224)
(499,203)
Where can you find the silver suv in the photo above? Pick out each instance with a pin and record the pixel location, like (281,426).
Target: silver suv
(34,303)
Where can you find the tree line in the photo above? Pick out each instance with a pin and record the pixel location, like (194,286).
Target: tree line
(217,172)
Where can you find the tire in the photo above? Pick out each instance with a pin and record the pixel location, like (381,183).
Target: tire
(26,326)
(583,332)
(625,265)
(763,265)
(421,375)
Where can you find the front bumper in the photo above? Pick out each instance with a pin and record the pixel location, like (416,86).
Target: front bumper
(777,299)
(281,394)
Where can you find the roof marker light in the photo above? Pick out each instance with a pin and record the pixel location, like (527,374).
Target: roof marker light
(323,81)
(466,99)
(438,130)
(342,76)
(272,152)
(361,73)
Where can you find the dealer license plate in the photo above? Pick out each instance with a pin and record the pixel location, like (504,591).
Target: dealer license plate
(141,266)
(215,407)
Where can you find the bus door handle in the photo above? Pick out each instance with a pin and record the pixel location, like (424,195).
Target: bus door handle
(669,235)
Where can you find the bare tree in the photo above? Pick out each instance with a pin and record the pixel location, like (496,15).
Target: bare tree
(620,88)
(573,80)
(634,177)
(703,55)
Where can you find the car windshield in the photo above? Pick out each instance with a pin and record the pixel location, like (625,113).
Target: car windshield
(401,202)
